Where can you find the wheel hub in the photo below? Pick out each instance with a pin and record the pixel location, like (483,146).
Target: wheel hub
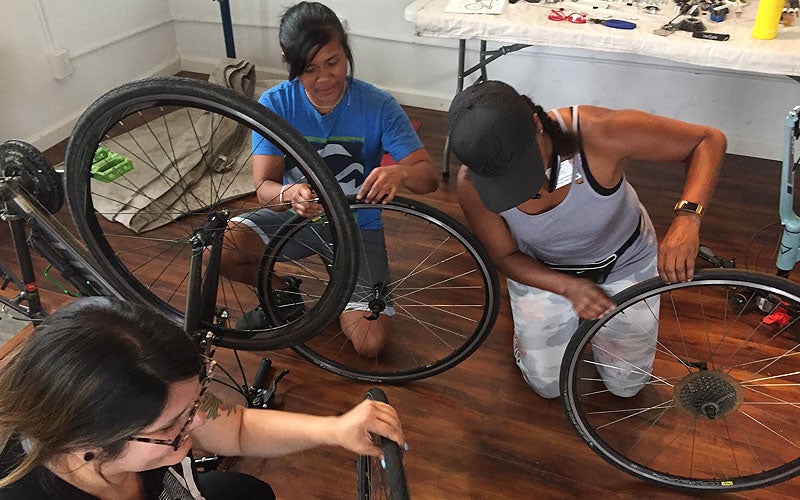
(708,393)
(377,302)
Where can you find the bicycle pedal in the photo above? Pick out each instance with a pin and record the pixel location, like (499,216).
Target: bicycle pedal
(767,304)
(108,165)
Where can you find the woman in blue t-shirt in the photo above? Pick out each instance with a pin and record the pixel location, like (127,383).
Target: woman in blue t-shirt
(351,124)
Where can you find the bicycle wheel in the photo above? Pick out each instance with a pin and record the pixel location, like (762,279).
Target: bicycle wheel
(376,481)
(720,407)
(441,288)
(189,144)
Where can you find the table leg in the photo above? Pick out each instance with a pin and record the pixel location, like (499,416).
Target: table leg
(462,48)
(482,63)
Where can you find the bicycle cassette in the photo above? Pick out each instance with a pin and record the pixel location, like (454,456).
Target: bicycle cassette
(35,174)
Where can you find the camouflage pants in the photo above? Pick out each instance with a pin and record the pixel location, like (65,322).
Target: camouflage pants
(544,323)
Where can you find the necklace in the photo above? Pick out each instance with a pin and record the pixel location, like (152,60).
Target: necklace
(320,107)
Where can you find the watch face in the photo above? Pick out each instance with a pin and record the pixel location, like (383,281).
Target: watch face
(688,206)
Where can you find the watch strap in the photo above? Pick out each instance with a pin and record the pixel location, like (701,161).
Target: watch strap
(689,206)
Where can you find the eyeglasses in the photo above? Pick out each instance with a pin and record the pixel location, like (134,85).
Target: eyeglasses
(205,381)
(574,17)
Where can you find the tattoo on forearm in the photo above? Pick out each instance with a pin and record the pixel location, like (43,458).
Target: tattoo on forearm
(212,405)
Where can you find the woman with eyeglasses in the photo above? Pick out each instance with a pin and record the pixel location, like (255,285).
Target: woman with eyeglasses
(106,399)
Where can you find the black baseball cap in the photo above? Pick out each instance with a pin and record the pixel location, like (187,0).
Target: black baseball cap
(492,132)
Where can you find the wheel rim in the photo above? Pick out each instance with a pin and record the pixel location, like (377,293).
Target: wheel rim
(440,286)
(152,262)
(721,408)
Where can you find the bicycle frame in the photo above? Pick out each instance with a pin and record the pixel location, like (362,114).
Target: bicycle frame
(53,242)
(790,241)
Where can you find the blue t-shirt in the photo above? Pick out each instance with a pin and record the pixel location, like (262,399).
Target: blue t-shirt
(351,139)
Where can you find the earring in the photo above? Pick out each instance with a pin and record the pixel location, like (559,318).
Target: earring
(88,456)
(541,131)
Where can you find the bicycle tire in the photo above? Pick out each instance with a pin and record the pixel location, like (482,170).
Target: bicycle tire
(717,409)
(155,273)
(375,482)
(443,287)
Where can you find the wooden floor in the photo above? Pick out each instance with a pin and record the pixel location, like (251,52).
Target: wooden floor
(478,431)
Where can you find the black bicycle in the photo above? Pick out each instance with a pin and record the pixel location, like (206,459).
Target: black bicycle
(30,190)
(156,170)
(190,144)
(180,171)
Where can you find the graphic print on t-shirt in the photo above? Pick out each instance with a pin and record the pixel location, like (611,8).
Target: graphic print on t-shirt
(344,159)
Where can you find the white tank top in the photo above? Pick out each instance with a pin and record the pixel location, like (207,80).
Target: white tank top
(591,223)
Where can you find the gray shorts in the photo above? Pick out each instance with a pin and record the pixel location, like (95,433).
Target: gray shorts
(373,264)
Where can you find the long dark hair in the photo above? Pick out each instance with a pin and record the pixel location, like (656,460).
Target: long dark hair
(565,143)
(91,375)
(305,28)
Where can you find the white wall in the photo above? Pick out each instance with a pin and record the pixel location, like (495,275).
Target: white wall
(749,108)
(115,41)
(109,43)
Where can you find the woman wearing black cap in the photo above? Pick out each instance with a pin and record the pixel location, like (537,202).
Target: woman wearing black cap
(547,195)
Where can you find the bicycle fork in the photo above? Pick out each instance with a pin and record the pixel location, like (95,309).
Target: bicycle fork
(202,294)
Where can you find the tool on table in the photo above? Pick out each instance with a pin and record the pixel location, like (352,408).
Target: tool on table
(720,37)
(615,23)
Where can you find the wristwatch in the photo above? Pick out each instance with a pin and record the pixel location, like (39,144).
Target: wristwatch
(689,206)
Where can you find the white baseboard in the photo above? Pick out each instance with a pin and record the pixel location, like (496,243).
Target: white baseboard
(421,99)
(757,148)
(207,65)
